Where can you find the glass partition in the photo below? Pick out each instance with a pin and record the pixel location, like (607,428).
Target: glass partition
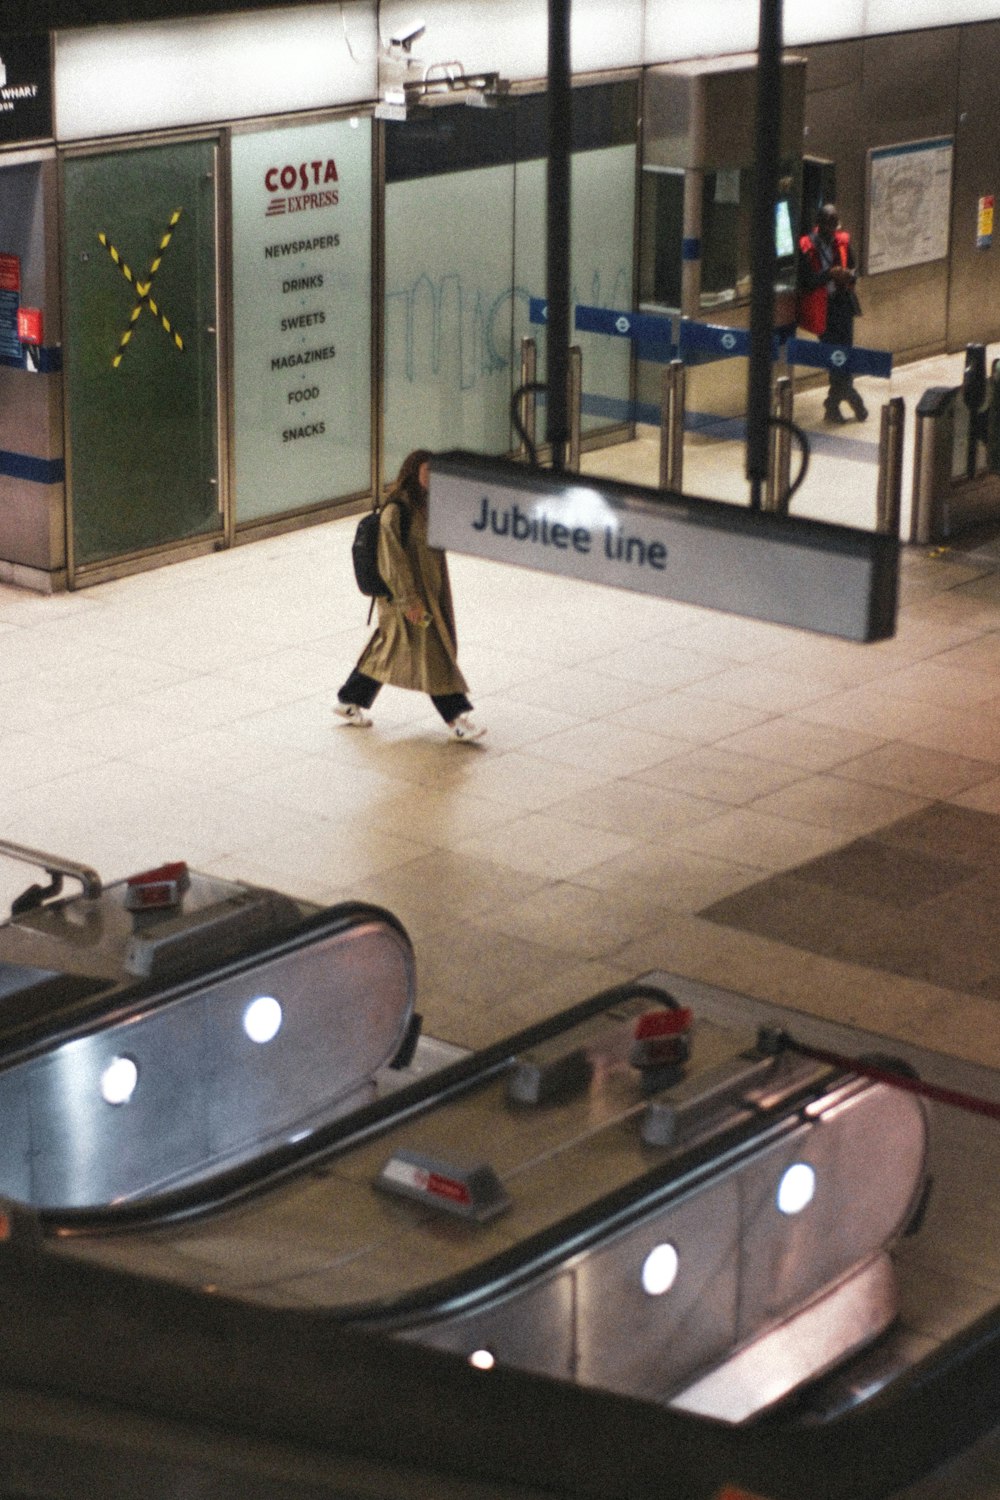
(465,253)
(302,316)
(602,208)
(141,375)
(449,255)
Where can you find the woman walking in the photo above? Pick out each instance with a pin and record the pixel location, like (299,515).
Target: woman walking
(414,645)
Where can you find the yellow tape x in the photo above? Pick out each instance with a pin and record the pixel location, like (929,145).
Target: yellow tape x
(143,290)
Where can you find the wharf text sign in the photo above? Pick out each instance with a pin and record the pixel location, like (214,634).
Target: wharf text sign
(791,571)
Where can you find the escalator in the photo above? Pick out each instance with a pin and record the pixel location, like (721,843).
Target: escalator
(641,1248)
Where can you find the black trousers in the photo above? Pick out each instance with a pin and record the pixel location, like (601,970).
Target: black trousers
(362,690)
(840,330)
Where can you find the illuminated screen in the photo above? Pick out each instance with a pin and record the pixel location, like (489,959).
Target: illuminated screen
(784,242)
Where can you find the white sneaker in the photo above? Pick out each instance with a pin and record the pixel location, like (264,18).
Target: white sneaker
(466,728)
(352,714)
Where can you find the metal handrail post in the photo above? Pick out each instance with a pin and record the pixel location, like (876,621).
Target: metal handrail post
(889,496)
(54,864)
(529,407)
(672,426)
(779,469)
(574,405)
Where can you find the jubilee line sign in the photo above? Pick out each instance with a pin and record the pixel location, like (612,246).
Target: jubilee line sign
(809,574)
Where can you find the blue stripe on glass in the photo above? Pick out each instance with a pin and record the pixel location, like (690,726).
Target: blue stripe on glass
(37,470)
(820,356)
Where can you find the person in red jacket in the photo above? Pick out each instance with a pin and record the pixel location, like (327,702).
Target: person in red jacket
(828,302)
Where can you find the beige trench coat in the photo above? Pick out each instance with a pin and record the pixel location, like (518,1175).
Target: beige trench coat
(422,657)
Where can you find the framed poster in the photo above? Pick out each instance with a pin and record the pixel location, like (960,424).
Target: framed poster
(909,204)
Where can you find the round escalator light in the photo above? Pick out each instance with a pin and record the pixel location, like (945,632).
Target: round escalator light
(262,1019)
(796,1188)
(482,1359)
(659,1270)
(118,1080)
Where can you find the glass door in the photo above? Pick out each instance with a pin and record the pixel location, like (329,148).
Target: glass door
(141,349)
(465,210)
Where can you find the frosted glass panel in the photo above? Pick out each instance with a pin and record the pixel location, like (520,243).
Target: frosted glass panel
(602,215)
(449,259)
(465,253)
(302,294)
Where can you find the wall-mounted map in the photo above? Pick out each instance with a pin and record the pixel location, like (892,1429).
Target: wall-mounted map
(909,204)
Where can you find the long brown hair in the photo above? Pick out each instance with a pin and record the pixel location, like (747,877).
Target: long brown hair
(407,485)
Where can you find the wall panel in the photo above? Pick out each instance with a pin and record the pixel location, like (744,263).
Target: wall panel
(974,300)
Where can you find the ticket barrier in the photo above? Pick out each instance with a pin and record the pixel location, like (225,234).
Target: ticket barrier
(678,343)
(956,471)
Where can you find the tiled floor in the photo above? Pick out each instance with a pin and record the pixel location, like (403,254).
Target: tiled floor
(647,762)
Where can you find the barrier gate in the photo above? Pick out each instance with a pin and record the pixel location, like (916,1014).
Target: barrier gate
(956,471)
(678,343)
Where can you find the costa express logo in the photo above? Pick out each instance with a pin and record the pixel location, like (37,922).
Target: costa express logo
(295,188)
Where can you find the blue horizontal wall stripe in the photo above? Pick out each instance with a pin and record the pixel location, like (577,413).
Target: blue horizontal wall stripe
(37,470)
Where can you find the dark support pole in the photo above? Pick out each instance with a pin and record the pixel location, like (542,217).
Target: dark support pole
(763,256)
(557,232)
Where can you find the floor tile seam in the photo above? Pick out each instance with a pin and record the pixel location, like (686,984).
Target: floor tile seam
(779,822)
(794,881)
(991,772)
(538,948)
(850,827)
(597,681)
(850,982)
(814,683)
(803,946)
(880,744)
(931,663)
(220,798)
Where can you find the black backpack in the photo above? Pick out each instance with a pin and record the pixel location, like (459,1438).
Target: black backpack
(364,550)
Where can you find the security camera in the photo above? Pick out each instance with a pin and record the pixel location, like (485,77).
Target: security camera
(409,37)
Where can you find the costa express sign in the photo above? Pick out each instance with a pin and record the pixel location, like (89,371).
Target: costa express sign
(302,185)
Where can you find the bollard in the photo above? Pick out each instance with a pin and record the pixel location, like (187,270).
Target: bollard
(574,404)
(528,409)
(672,427)
(888,502)
(779,469)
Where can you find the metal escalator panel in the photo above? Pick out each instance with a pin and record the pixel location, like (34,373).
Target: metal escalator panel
(782,1248)
(175,1082)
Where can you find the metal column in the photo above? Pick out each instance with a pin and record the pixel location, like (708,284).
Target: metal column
(779,468)
(672,427)
(528,399)
(888,504)
(574,406)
